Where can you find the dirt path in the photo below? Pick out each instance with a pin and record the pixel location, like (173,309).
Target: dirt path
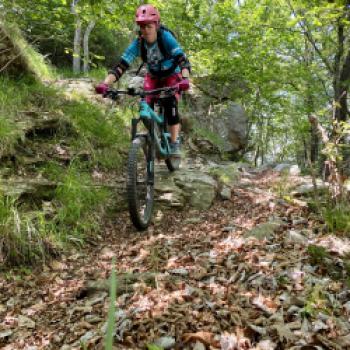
(192,281)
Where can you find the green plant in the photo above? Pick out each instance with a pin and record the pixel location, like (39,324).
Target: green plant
(318,254)
(111,311)
(214,138)
(154,258)
(77,204)
(315,302)
(337,217)
(25,237)
(283,185)
(154,347)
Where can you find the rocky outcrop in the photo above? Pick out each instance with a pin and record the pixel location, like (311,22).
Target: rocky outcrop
(223,123)
(17,56)
(195,186)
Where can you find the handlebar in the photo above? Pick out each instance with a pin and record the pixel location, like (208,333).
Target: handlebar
(113,93)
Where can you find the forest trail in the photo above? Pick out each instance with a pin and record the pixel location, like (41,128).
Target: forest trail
(249,273)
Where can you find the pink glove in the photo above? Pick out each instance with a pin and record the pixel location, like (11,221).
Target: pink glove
(101,88)
(184,85)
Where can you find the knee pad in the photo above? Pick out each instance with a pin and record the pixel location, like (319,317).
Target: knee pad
(171,110)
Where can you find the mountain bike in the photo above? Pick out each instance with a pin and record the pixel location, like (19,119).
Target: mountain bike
(146,146)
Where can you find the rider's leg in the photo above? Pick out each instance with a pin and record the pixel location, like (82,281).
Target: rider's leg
(172,116)
(171,108)
(174,131)
(173,120)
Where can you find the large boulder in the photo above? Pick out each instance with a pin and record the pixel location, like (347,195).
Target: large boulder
(185,188)
(195,187)
(223,122)
(230,122)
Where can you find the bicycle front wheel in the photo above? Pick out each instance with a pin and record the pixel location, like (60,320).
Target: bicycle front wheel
(140,182)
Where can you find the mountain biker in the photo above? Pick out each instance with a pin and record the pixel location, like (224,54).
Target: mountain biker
(167,65)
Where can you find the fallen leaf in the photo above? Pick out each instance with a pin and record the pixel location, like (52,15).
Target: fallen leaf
(206,338)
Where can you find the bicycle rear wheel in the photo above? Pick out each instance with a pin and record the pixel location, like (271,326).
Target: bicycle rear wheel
(140,182)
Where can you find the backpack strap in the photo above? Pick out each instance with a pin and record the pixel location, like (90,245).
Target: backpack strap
(139,69)
(160,42)
(143,50)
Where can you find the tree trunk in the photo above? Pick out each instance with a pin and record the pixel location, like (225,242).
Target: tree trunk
(314,144)
(87,33)
(77,38)
(341,80)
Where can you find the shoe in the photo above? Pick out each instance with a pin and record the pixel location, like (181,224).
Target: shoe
(175,149)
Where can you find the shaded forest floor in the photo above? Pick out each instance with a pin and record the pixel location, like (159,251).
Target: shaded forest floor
(253,272)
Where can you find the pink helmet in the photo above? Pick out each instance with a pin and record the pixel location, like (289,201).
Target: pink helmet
(147,14)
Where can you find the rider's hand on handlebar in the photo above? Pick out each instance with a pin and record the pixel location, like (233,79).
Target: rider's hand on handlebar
(101,88)
(184,85)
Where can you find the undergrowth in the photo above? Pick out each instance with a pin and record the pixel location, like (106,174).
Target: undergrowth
(31,231)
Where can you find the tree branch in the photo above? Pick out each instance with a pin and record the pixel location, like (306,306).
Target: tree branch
(311,39)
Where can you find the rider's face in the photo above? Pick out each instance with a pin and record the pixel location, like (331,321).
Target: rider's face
(149,32)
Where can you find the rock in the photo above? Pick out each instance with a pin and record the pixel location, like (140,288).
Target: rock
(136,82)
(264,231)
(196,220)
(180,271)
(226,123)
(3,308)
(318,325)
(165,342)
(225,193)
(205,146)
(227,174)
(25,322)
(38,188)
(229,122)
(87,336)
(346,306)
(66,347)
(57,265)
(199,189)
(5,334)
(229,229)
(266,345)
(199,346)
(185,187)
(294,236)
(299,221)
(287,169)
(308,188)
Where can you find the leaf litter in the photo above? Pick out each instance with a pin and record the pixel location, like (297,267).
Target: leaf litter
(191,284)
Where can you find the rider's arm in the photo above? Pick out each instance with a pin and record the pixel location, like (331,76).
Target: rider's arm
(128,56)
(176,51)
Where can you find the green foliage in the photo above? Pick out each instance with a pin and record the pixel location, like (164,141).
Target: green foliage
(337,218)
(31,59)
(316,302)
(208,135)
(111,311)
(31,231)
(8,135)
(25,237)
(103,135)
(318,254)
(78,201)
(97,73)
(283,185)
(154,347)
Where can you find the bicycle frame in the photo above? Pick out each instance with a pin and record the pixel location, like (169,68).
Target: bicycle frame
(147,113)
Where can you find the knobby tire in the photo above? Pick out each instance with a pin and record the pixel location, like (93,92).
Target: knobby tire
(140,202)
